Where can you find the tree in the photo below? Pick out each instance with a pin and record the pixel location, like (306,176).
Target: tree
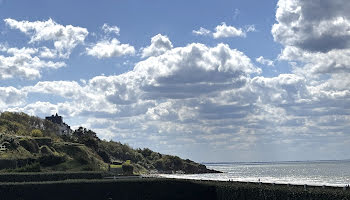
(36,133)
(87,137)
(128,169)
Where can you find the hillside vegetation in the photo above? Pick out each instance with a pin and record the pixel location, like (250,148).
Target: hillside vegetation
(32,145)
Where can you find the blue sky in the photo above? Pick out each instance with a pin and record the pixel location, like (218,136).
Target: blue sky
(205,80)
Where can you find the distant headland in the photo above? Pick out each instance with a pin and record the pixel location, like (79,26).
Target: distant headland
(32,144)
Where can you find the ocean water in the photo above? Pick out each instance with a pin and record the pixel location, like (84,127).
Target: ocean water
(329,173)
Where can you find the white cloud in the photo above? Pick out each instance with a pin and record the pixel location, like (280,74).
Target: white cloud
(315,38)
(265,61)
(250,28)
(159,45)
(197,70)
(311,26)
(200,68)
(224,31)
(236,13)
(47,53)
(65,38)
(201,31)
(110,29)
(67,89)
(317,41)
(37,109)
(110,48)
(10,96)
(202,97)
(22,63)
(283,89)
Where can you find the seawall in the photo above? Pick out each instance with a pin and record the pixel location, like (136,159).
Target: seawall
(154,189)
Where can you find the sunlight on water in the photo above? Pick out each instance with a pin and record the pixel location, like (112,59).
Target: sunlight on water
(330,173)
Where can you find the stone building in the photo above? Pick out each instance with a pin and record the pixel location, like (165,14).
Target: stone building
(63,128)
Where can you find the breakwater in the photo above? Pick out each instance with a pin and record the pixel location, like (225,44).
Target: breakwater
(155,188)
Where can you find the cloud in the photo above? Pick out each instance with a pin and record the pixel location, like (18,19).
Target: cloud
(47,53)
(316,41)
(265,61)
(315,38)
(236,13)
(180,73)
(66,89)
(283,89)
(65,38)
(200,68)
(110,29)
(311,26)
(159,45)
(23,63)
(110,48)
(10,96)
(199,96)
(224,31)
(318,63)
(250,28)
(201,31)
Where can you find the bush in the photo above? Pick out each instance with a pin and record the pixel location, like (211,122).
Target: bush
(45,150)
(49,160)
(36,133)
(35,167)
(43,141)
(30,145)
(127,169)
(105,157)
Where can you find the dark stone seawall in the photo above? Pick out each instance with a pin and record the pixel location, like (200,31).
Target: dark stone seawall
(256,191)
(165,189)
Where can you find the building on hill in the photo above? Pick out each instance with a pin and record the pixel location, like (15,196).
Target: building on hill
(63,128)
(55,119)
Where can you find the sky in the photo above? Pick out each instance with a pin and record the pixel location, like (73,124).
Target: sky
(211,81)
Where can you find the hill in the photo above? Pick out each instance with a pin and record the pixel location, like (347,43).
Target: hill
(31,144)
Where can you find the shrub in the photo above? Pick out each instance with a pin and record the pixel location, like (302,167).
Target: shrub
(45,150)
(49,160)
(43,141)
(127,169)
(35,167)
(29,145)
(36,133)
(105,157)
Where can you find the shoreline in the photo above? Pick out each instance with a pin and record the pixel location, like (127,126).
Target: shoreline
(188,177)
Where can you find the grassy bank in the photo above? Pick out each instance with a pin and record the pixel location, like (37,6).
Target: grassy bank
(152,188)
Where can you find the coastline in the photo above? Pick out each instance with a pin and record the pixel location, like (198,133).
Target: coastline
(244,180)
(191,177)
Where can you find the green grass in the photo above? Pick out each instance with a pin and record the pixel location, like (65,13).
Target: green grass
(116,166)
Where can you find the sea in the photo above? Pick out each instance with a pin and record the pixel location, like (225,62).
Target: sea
(318,173)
